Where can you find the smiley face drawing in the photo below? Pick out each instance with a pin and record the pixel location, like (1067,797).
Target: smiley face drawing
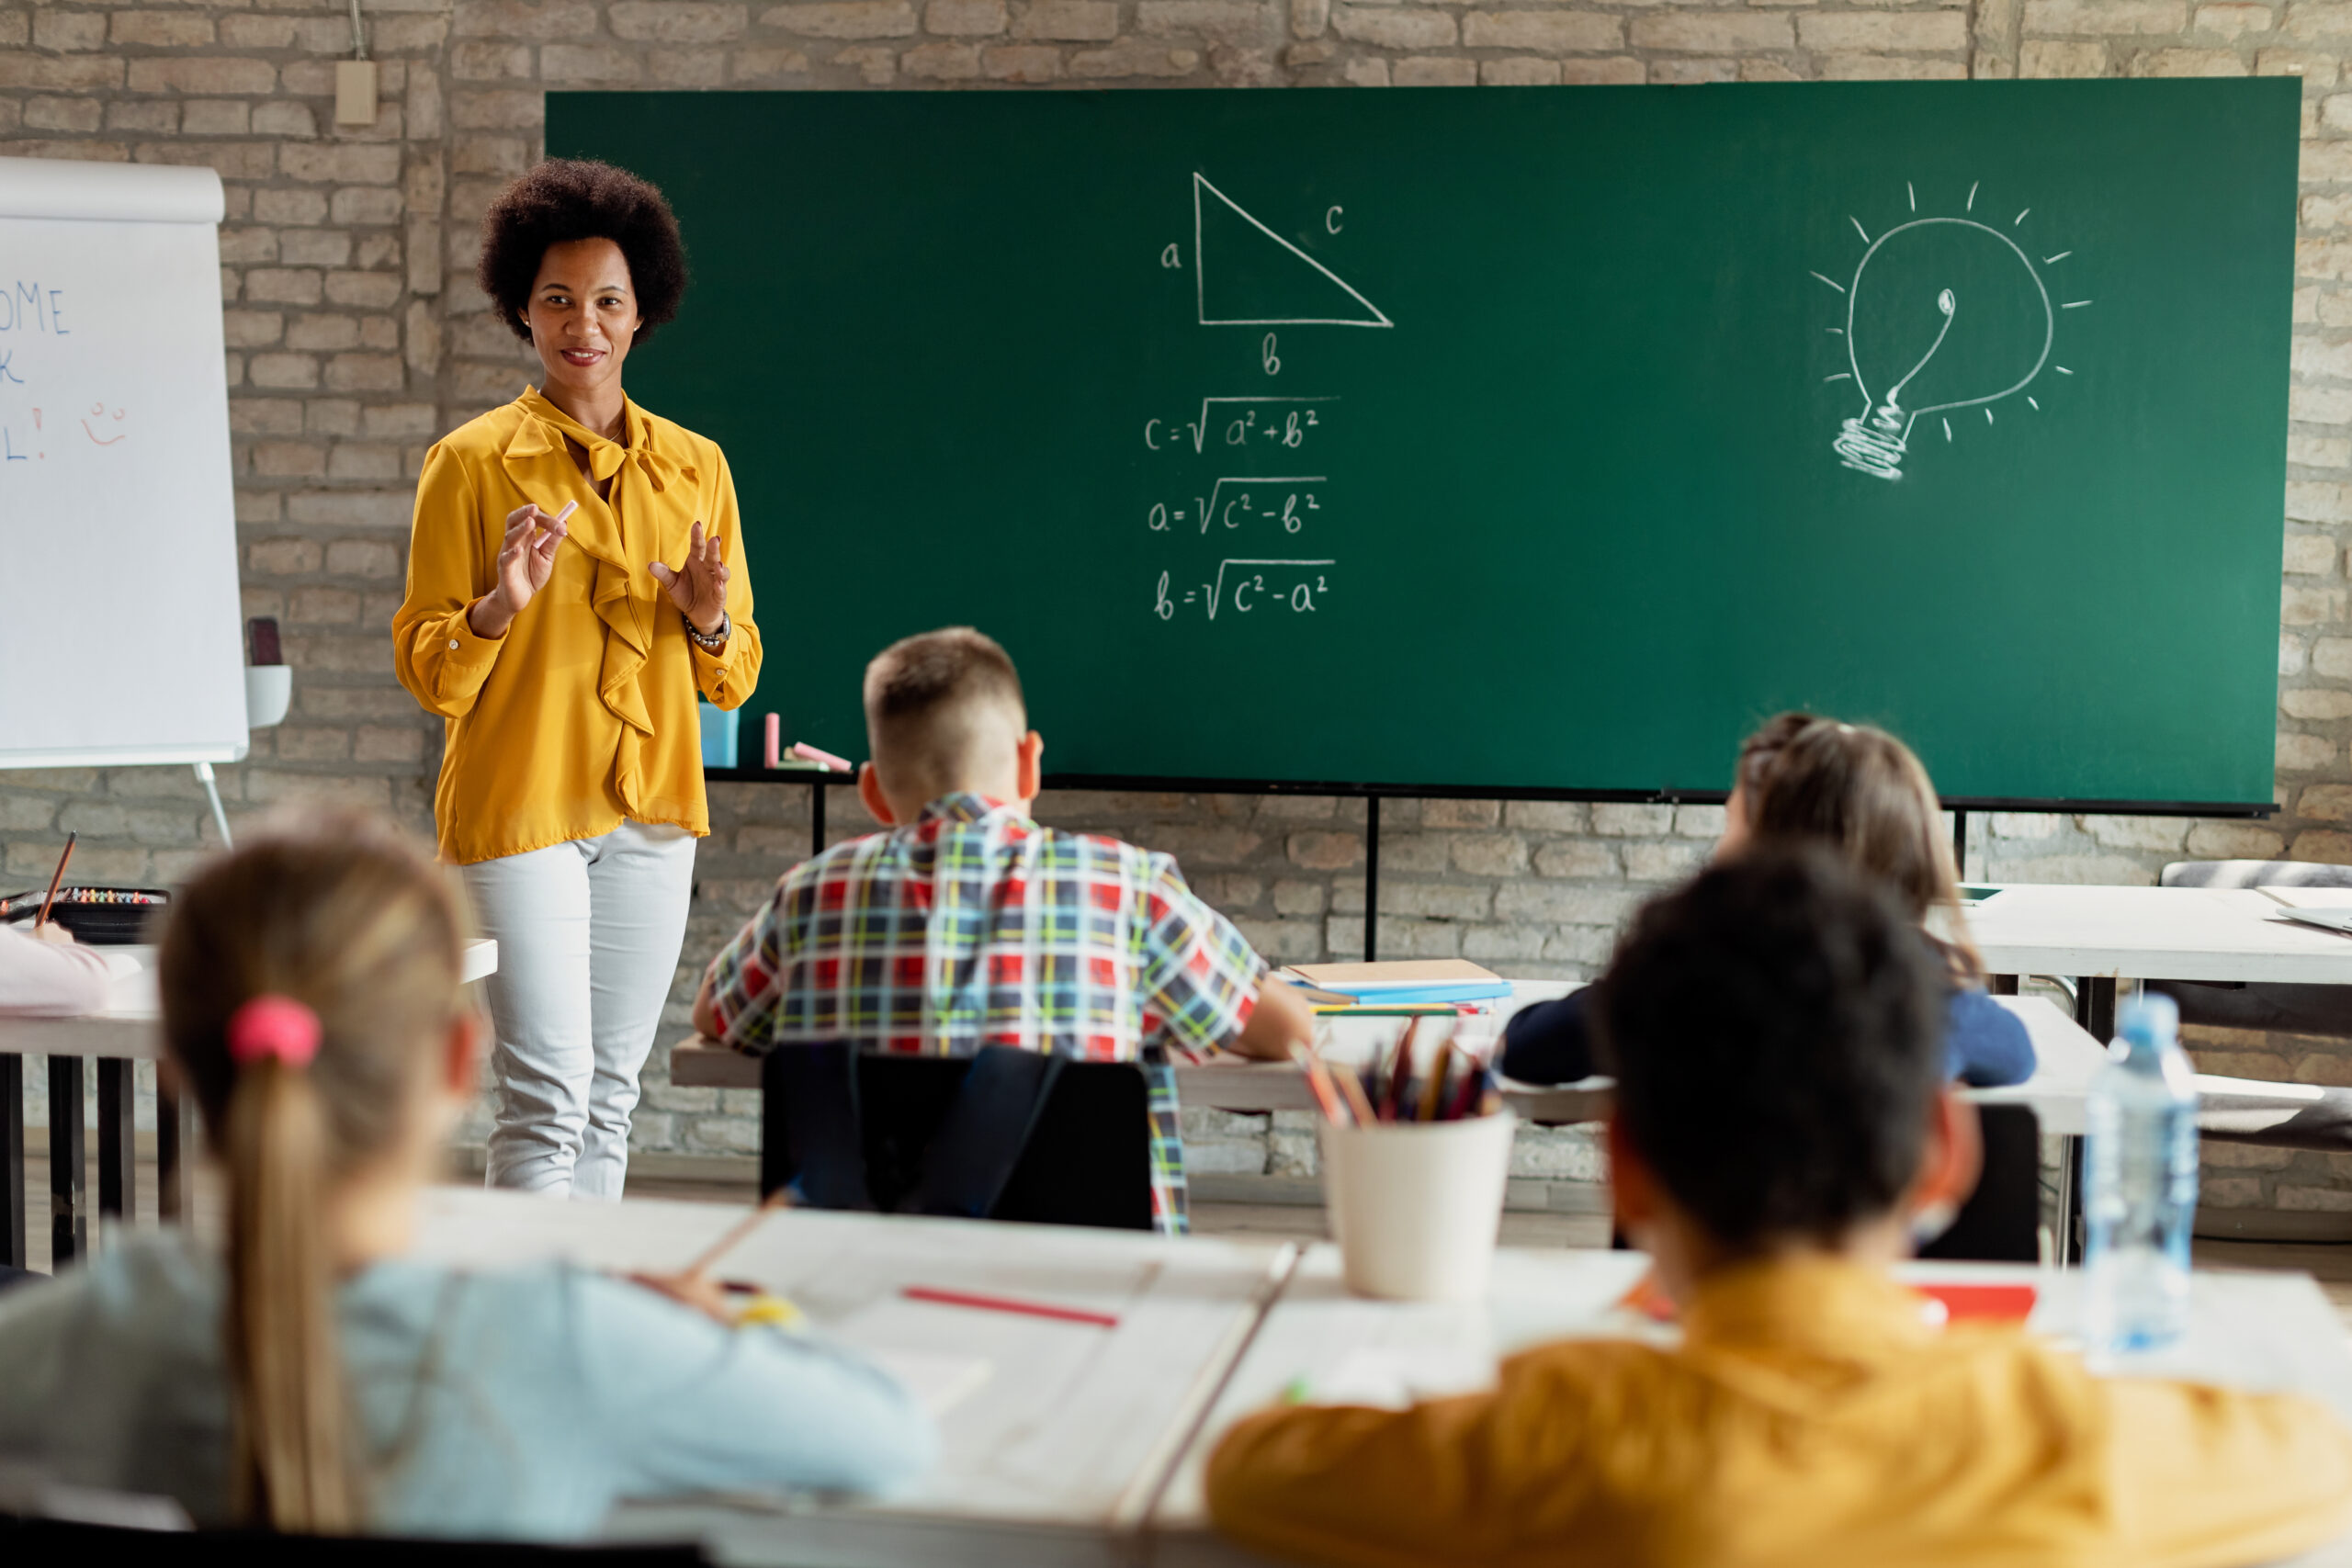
(111,426)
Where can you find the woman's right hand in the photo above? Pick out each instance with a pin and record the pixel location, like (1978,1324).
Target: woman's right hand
(525,557)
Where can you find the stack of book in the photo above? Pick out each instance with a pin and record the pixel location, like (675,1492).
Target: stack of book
(1405,987)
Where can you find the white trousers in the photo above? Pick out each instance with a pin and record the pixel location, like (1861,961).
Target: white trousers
(588,937)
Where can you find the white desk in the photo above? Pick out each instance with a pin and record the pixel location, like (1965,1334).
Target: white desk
(2250,1331)
(2066,1053)
(1054,1461)
(1085,1446)
(2159,933)
(126,1030)
(127,1027)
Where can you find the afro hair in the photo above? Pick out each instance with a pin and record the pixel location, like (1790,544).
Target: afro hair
(571,199)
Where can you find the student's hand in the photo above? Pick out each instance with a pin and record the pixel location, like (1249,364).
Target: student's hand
(525,557)
(696,1291)
(699,588)
(49,931)
(1282,1018)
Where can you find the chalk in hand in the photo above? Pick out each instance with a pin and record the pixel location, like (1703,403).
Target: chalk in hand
(569,508)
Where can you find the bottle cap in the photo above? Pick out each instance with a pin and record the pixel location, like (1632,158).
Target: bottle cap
(2150,1018)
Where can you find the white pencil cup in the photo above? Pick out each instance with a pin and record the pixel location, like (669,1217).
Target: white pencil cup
(1416,1205)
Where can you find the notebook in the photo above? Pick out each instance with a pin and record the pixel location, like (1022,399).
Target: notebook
(2329,919)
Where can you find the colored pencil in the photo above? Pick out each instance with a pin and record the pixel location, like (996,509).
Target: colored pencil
(1474,1073)
(42,919)
(1401,1068)
(1359,1103)
(1007,1303)
(1433,1086)
(780,1198)
(1318,1084)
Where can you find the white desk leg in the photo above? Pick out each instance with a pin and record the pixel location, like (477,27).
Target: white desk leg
(212,794)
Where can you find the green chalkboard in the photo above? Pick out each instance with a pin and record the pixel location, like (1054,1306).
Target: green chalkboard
(1510,439)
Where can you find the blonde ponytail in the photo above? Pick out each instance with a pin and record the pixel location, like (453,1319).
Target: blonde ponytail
(306,981)
(289,1466)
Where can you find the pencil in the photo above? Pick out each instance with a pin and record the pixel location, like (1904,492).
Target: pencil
(42,919)
(1433,1086)
(1474,1073)
(1318,1084)
(1400,1071)
(1359,1103)
(1008,1304)
(718,1249)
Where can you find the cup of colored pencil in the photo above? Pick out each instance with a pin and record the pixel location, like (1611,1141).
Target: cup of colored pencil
(1415,1150)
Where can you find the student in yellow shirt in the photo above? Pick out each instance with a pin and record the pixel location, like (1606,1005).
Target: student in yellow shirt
(575,581)
(1782,1117)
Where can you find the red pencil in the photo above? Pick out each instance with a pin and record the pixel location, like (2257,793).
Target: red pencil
(1007,1303)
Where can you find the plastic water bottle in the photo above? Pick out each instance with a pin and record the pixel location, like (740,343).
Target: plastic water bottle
(2140,1183)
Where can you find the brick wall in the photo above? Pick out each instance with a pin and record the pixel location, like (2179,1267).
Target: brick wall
(356,336)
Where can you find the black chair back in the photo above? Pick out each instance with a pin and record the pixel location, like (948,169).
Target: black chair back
(1008,1134)
(2001,1222)
(33,1542)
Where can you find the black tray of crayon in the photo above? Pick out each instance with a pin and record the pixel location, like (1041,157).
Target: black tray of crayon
(103,917)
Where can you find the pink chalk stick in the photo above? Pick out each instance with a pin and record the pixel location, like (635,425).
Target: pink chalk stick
(839,764)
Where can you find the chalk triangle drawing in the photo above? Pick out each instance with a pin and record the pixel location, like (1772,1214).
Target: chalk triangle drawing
(1262,279)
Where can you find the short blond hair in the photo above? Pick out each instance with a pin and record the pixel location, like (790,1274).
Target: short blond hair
(932,699)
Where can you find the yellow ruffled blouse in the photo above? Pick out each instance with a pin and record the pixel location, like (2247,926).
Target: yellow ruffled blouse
(584,712)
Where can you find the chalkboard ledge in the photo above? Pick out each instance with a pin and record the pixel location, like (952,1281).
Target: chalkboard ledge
(1662,796)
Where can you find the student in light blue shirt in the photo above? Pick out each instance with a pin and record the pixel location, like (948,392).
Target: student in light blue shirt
(317,1380)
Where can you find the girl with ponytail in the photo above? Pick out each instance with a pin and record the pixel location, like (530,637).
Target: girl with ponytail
(316,1379)
(1803,779)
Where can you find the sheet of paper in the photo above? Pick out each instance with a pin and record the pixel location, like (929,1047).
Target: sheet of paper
(939,1380)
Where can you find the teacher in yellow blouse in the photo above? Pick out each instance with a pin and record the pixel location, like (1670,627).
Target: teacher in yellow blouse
(575,577)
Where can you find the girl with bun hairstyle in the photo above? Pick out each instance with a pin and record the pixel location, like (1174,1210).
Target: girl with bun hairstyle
(316,1379)
(1802,778)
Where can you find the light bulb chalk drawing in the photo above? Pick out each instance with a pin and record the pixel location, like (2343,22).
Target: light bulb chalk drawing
(2004,298)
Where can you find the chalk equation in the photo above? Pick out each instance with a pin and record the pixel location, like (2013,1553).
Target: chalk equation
(1239,421)
(1291,587)
(1290,509)
(1941,313)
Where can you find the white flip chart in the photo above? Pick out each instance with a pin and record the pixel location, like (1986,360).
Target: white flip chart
(119,640)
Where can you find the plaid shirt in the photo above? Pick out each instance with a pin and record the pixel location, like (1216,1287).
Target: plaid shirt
(973,926)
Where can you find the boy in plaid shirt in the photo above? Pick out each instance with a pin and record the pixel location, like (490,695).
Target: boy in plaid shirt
(965,924)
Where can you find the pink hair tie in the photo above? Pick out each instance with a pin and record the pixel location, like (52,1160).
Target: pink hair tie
(273,1026)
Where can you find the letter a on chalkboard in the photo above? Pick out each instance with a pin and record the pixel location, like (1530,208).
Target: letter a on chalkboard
(1245,274)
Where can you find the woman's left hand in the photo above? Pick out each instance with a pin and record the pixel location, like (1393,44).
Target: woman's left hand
(698,589)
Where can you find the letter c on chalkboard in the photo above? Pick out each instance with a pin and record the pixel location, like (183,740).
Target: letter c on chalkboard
(1331,218)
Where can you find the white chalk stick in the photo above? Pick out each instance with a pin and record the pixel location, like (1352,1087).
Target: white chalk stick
(569,508)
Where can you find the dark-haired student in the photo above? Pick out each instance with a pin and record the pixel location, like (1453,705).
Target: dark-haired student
(1782,1114)
(316,1378)
(1801,778)
(575,583)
